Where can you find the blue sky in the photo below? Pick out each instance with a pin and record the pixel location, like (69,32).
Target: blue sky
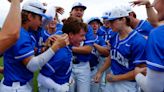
(94,7)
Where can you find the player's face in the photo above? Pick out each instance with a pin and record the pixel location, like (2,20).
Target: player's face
(77,12)
(158,5)
(52,24)
(95,25)
(35,22)
(76,39)
(106,23)
(116,24)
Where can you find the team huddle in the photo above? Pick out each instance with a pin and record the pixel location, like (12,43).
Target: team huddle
(119,54)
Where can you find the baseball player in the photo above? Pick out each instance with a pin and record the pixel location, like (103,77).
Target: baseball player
(142,26)
(153,82)
(58,69)
(50,27)
(10,29)
(19,60)
(81,68)
(127,49)
(105,29)
(106,32)
(99,51)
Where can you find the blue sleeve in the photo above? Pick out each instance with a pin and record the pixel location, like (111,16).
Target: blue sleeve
(102,42)
(24,47)
(145,27)
(155,47)
(100,31)
(89,37)
(138,50)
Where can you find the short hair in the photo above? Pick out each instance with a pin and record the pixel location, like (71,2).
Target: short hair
(127,21)
(134,14)
(73,25)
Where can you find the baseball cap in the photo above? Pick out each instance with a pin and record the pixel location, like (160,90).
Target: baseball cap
(116,13)
(105,15)
(34,6)
(78,4)
(50,12)
(94,19)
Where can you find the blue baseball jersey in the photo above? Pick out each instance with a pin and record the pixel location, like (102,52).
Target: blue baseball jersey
(144,27)
(106,33)
(127,53)
(14,69)
(94,54)
(89,41)
(60,66)
(155,49)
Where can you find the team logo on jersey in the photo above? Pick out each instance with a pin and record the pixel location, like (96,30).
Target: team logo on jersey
(127,45)
(115,55)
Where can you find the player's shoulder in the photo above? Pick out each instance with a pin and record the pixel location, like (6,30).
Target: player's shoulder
(63,52)
(24,36)
(158,30)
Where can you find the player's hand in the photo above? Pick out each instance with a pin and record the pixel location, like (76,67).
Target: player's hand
(141,2)
(64,88)
(110,78)
(97,77)
(59,10)
(49,41)
(71,81)
(139,70)
(108,45)
(60,40)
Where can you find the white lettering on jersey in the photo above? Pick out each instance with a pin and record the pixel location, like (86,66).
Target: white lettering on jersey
(40,43)
(119,58)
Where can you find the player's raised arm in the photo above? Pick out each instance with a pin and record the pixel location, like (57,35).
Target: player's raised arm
(152,15)
(10,29)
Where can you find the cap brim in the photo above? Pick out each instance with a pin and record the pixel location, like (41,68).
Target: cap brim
(110,19)
(104,17)
(45,16)
(83,7)
(95,20)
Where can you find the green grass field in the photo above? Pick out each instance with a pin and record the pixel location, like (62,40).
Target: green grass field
(35,76)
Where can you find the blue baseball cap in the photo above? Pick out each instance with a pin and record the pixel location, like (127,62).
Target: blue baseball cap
(94,19)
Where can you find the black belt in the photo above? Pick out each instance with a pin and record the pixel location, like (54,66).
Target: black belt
(7,83)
